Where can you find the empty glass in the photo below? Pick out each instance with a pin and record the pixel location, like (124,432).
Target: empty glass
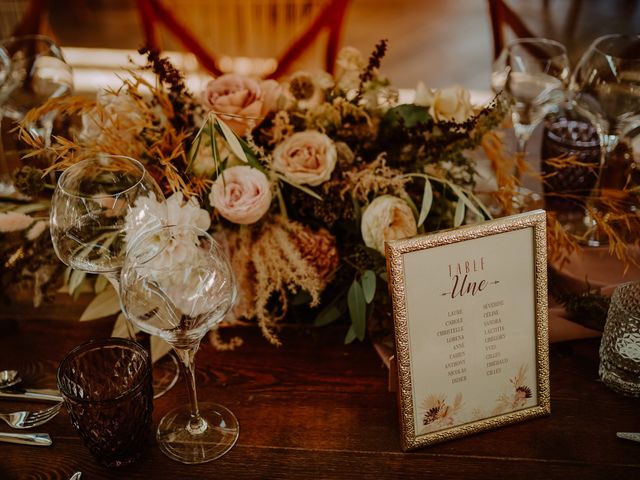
(533,73)
(98,208)
(620,345)
(537,72)
(33,71)
(106,386)
(177,283)
(606,87)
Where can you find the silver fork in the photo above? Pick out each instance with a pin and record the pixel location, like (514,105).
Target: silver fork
(26,419)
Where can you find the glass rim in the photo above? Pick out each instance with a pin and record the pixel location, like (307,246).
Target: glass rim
(596,45)
(532,40)
(14,39)
(617,292)
(76,165)
(113,341)
(29,36)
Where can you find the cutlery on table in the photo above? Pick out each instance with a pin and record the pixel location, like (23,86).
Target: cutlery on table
(43,395)
(26,419)
(38,439)
(9,378)
(633,436)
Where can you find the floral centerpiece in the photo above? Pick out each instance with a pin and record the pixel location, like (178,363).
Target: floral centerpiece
(301,181)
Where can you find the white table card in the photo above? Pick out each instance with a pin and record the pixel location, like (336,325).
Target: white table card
(470,313)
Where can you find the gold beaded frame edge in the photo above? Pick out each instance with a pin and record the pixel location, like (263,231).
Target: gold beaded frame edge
(395,251)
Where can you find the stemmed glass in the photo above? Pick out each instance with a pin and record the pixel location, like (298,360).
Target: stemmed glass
(537,74)
(36,72)
(533,73)
(5,180)
(606,88)
(98,208)
(177,283)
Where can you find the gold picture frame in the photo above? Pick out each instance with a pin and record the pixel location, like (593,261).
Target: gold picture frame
(470,319)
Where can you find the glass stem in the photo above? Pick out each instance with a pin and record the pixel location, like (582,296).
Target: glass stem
(197,424)
(522,133)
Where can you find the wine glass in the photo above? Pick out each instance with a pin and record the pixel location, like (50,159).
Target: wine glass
(177,283)
(36,72)
(98,208)
(5,179)
(606,90)
(537,74)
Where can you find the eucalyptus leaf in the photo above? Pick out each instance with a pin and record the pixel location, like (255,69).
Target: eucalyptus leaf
(121,328)
(232,140)
(357,309)
(103,305)
(101,283)
(215,153)
(461,196)
(368,282)
(458,218)
(427,201)
(67,276)
(193,151)
(351,335)
(328,315)
(75,280)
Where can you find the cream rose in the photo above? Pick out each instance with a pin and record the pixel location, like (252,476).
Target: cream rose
(307,157)
(241,194)
(245,98)
(451,104)
(386,218)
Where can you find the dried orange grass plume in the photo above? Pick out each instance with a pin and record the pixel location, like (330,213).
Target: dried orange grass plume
(503,164)
(158,144)
(277,258)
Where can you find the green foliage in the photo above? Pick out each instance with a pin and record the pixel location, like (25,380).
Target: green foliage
(357,309)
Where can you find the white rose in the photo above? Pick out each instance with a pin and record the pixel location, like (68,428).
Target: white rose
(181,212)
(241,194)
(149,213)
(307,157)
(451,104)
(387,218)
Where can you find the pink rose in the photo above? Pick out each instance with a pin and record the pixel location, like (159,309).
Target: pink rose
(306,158)
(245,97)
(241,194)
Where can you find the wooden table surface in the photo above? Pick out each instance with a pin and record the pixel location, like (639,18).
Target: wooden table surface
(315,408)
